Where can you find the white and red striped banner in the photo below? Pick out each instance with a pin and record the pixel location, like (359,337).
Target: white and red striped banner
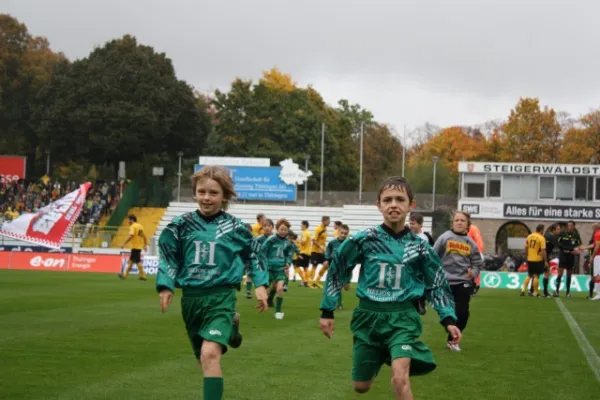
(51,224)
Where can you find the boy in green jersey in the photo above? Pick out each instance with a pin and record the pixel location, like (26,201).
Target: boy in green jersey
(267,228)
(342,234)
(396,268)
(204,253)
(278,252)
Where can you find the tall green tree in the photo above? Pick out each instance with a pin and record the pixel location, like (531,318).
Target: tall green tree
(382,155)
(121,103)
(276,119)
(26,65)
(355,114)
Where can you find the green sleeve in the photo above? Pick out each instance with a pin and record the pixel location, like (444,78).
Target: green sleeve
(251,250)
(329,251)
(437,289)
(289,258)
(344,261)
(170,260)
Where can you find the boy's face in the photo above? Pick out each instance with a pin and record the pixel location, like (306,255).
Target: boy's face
(460,223)
(282,231)
(414,226)
(342,234)
(209,196)
(268,229)
(570,227)
(326,222)
(304,227)
(394,205)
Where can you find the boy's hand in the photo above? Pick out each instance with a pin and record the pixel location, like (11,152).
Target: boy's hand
(327,326)
(455,333)
(261,295)
(166,297)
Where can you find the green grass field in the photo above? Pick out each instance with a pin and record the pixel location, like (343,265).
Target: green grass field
(93,336)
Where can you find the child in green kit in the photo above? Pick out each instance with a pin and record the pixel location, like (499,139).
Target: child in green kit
(204,253)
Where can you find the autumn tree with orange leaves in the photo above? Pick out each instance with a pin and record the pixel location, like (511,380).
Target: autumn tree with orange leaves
(581,145)
(531,134)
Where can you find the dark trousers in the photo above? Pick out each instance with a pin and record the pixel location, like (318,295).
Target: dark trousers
(462,298)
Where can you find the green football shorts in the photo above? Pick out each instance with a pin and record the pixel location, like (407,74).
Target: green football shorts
(208,315)
(384,332)
(275,276)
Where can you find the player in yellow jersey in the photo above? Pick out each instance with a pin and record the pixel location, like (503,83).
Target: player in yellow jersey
(336,228)
(138,242)
(257,228)
(305,246)
(317,255)
(535,247)
(293,237)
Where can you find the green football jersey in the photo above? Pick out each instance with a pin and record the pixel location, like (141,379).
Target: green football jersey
(278,252)
(331,248)
(195,251)
(394,268)
(261,238)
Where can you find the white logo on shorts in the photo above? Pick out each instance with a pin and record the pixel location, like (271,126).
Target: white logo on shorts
(406,347)
(215,332)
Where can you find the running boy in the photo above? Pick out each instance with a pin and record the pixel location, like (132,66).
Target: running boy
(267,229)
(204,253)
(278,251)
(396,268)
(342,234)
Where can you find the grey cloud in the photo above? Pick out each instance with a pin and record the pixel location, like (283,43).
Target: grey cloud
(448,62)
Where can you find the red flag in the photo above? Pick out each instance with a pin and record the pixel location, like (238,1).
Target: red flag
(51,224)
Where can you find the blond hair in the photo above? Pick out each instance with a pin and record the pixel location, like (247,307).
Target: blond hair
(220,175)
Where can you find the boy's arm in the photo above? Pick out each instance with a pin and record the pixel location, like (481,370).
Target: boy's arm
(290,254)
(476,259)
(251,250)
(344,260)
(169,260)
(437,289)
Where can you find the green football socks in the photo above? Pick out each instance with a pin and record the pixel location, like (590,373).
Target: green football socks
(213,388)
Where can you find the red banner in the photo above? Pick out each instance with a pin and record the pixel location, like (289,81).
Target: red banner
(103,263)
(39,261)
(51,224)
(95,263)
(4,259)
(12,168)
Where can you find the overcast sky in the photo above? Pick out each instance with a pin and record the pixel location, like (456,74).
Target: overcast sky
(447,62)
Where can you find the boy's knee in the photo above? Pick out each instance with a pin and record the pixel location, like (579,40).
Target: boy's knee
(400,382)
(210,353)
(400,374)
(361,387)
